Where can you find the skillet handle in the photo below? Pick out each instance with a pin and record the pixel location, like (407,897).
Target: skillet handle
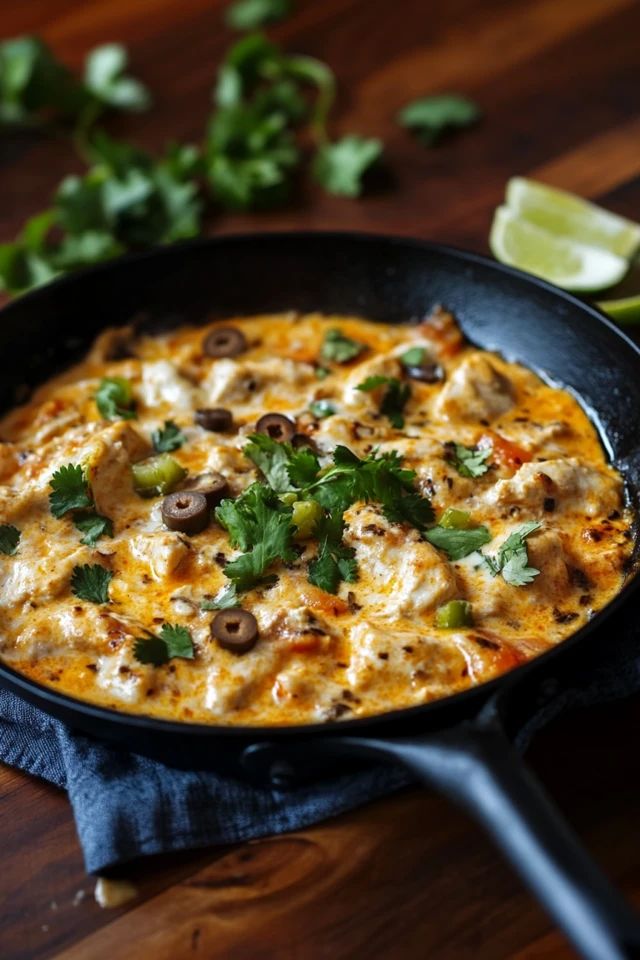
(476,766)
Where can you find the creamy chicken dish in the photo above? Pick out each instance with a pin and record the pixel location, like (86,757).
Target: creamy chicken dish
(286,519)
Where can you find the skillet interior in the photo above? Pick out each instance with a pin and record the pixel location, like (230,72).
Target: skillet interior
(392,280)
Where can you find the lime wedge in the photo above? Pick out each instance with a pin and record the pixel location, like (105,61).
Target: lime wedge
(566,215)
(565,262)
(626,310)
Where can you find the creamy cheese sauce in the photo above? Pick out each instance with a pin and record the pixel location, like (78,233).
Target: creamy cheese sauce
(372,647)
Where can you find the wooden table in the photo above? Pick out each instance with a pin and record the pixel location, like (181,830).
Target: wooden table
(409,876)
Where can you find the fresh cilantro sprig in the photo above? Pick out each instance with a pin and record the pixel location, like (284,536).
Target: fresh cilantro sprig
(35,86)
(272,459)
(260,525)
(9,539)
(457,543)
(106,79)
(114,399)
(70,490)
(512,559)
(91,582)
(222,601)
(338,348)
(94,526)
(468,461)
(334,561)
(172,641)
(394,398)
(342,166)
(168,438)
(431,117)
(322,409)
(251,14)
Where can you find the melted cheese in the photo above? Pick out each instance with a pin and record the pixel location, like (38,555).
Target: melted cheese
(373,647)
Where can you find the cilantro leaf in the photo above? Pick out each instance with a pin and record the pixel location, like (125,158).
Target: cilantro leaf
(272,459)
(338,348)
(249,14)
(172,641)
(512,559)
(261,525)
(33,81)
(9,539)
(468,461)
(394,400)
(322,408)
(168,438)
(105,78)
(27,262)
(249,156)
(70,490)
(91,582)
(430,117)
(341,166)
(334,561)
(114,399)
(457,543)
(380,479)
(93,526)
(223,600)
(303,467)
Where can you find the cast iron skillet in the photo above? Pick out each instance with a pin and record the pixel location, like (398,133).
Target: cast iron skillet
(461,744)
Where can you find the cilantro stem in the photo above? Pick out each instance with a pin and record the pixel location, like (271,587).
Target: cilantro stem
(322,77)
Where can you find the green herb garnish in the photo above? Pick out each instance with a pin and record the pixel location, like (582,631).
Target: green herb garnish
(512,559)
(114,399)
(340,167)
(91,582)
(457,543)
(168,438)
(9,539)
(322,408)
(70,490)
(430,117)
(468,461)
(223,601)
(250,14)
(106,79)
(93,526)
(172,641)
(259,524)
(334,561)
(394,399)
(338,348)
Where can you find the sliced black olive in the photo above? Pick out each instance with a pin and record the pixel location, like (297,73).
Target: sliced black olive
(276,426)
(235,630)
(426,373)
(299,440)
(224,342)
(215,419)
(186,511)
(212,486)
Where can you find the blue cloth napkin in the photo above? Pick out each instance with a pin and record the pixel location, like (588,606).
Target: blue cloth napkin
(126,806)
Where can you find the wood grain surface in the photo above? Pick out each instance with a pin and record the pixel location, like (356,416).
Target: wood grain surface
(408,877)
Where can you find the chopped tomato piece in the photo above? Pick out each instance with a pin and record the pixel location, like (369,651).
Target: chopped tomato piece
(442,329)
(506,453)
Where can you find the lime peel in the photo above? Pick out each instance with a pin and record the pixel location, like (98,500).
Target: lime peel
(567,215)
(625,310)
(559,259)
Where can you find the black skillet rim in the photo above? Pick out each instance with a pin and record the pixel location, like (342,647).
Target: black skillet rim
(42,695)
